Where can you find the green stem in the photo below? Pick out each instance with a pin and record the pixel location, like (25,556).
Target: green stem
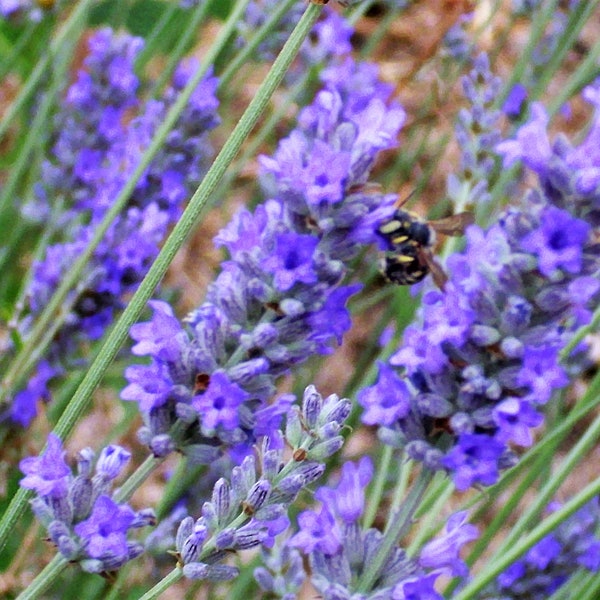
(53,308)
(517,71)
(586,72)
(164,584)
(429,516)
(378,487)
(152,41)
(398,525)
(579,452)
(37,130)
(44,579)
(16,49)
(579,335)
(140,475)
(579,17)
(501,562)
(81,399)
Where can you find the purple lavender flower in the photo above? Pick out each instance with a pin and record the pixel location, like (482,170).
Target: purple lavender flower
(82,519)
(278,298)
(282,574)
(95,151)
(48,474)
(329,38)
(219,404)
(104,533)
(549,565)
(340,550)
(514,103)
(249,509)
(478,379)
(477,134)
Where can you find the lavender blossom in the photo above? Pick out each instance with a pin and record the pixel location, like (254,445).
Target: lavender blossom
(340,550)
(483,357)
(283,573)
(83,521)
(547,566)
(329,38)
(457,41)
(250,509)
(95,152)
(477,135)
(279,297)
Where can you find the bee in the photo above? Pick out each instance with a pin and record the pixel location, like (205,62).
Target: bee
(410,240)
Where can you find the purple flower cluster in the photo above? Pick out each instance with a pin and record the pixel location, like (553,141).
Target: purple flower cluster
(457,40)
(279,298)
(329,38)
(79,513)
(97,148)
(471,375)
(340,551)
(282,572)
(251,508)
(476,134)
(548,565)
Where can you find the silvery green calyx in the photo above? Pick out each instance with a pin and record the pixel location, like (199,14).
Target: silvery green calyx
(467,385)
(250,508)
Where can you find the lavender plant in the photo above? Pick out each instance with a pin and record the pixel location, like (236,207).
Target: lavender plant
(457,400)
(82,519)
(94,154)
(524,287)
(279,297)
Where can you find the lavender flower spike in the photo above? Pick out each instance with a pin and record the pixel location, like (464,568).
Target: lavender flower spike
(83,521)
(339,549)
(252,509)
(549,565)
(279,297)
(96,150)
(483,356)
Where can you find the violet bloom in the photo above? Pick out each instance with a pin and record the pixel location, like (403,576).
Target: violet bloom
(81,518)
(340,550)
(48,474)
(104,533)
(98,146)
(250,508)
(476,134)
(279,297)
(478,381)
(18,10)
(329,38)
(573,546)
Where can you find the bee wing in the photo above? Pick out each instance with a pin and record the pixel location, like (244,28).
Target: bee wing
(453,225)
(401,202)
(437,272)
(369,187)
